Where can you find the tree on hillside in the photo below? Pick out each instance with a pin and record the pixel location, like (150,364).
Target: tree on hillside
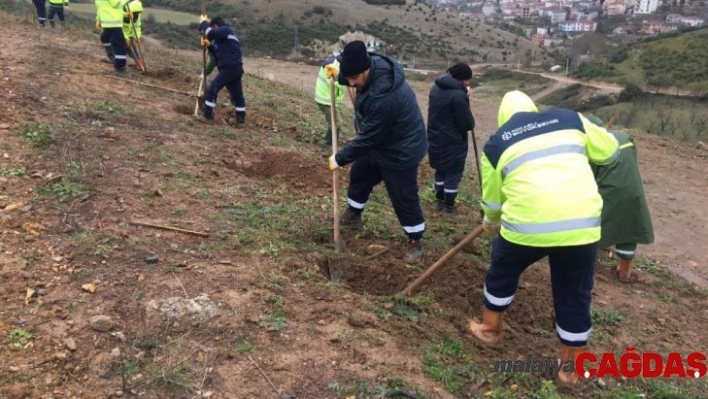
(630,92)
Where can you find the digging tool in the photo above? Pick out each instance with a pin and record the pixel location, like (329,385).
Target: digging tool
(335,175)
(352,96)
(479,168)
(202,79)
(135,43)
(199,94)
(417,282)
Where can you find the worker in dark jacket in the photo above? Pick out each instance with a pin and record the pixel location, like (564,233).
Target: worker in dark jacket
(626,221)
(449,120)
(389,144)
(227,50)
(41,6)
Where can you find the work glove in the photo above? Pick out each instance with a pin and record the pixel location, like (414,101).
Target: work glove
(333,165)
(204,41)
(98,25)
(128,15)
(203,18)
(489,227)
(332,71)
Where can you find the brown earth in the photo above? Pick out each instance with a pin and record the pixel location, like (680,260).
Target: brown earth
(119,152)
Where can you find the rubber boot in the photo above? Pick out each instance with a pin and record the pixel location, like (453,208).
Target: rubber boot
(327,141)
(51,24)
(569,353)
(240,117)
(624,270)
(63,24)
(489,332)
(414,253)
(109,55)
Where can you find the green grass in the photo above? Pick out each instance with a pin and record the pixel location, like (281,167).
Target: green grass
(66,190)
(451,363)
(607,317)
(19,172)
(38,133)
(19,337)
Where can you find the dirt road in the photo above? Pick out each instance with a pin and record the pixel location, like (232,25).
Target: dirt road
(676,176)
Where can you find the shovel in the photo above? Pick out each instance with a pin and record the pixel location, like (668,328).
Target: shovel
(335,175)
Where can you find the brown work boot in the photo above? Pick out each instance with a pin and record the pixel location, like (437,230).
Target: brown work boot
(624,270)
(489,332)
(569,353)
(414,253)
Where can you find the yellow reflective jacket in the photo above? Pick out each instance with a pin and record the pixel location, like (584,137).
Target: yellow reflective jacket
(136,8)
(536,178)
(322,89)
(110,13)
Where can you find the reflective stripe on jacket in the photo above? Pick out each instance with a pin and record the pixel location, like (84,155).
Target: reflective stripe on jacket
(537,180)
(110,13)
(322,89)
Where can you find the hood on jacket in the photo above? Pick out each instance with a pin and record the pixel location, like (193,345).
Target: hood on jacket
(513,102)
(385,76)
(445,81)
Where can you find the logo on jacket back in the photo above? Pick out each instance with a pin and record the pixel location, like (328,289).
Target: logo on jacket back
(527,128)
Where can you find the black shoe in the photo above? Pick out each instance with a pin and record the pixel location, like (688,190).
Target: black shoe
(351,219)
(414,253)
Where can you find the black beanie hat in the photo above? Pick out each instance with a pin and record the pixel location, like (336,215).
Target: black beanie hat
(355,60)
(460,71)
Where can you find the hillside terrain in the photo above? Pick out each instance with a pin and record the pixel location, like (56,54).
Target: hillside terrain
(675,60)
(418,33)
(257,304)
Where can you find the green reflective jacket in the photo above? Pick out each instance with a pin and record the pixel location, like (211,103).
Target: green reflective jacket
(322,88)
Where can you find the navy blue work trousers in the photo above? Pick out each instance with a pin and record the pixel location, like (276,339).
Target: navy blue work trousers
(41,6)
(229,77)
(402,188)
(572,278)
(115,37)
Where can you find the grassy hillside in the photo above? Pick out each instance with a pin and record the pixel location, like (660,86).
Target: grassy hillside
(427,35)
(677,60)
(280,313)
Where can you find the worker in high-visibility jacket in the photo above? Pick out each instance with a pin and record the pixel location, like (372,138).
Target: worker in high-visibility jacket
(109,17)
(539,192)
(323,96)
(131,19)
(57,7)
